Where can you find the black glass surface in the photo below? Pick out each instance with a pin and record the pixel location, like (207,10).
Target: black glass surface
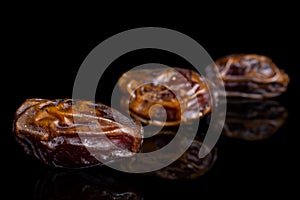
(43,60)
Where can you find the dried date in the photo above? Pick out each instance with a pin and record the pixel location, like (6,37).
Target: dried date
(251,76)
(182,93)
(68,133)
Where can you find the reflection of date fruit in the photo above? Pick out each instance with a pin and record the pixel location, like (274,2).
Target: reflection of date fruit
(182,93)
(67,133)
(252,119)
(251,76)
(82,184)
(188,166)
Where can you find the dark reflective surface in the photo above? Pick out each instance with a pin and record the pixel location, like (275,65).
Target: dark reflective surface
(251,119)
(43,59)
(101,182)
(83,184)
(189,165)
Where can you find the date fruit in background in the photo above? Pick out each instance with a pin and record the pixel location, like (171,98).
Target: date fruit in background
(181,93)
(251,76)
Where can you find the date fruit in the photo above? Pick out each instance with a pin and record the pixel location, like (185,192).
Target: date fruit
(251,76)
(69,133)
(182,94)
(253,119)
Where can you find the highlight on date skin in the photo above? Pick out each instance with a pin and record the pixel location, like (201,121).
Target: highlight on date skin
(251,76)
(182,95)
(79,133)
(47,129)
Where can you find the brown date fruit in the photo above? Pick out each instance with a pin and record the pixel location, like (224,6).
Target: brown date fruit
(251,76)
(253,119)
(182,93)
(69,133)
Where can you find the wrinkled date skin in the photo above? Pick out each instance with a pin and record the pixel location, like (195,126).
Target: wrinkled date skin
(251,119)
(251,76)
(78,184)
(67,133)
(188,166)
(182,93)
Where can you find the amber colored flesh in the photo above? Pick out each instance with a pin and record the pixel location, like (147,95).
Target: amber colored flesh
(182,93)
(251,76)
(62,132)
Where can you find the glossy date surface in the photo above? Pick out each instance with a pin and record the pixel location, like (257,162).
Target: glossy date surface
(68,133)
(182,93)
(251,76)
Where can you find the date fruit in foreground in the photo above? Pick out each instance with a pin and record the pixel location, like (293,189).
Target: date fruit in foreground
(251,76)
(69,133)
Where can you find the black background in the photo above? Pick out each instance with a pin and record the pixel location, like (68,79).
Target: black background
(41,59)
